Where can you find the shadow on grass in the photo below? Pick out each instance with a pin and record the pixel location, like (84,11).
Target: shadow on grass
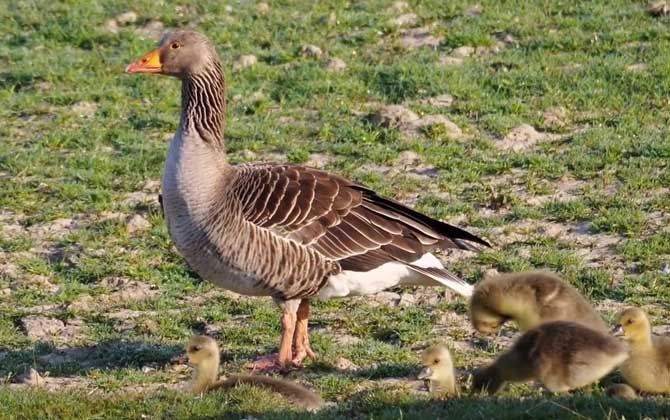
(80,360)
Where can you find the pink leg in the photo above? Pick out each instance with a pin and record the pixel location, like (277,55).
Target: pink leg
(282,360)
(301,345)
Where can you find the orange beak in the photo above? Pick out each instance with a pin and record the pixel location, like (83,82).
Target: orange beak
(149,63)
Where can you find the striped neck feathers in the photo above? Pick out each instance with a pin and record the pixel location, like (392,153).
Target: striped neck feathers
(203,105)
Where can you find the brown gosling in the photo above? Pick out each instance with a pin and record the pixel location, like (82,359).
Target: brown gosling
(648,368)
(622,391)
(561,355)
(438,371)
(203,354)
(529,299)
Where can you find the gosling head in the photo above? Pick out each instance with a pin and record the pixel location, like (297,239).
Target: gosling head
(483,319)
(179,54)
(633,325)
(437,362)
(200,349)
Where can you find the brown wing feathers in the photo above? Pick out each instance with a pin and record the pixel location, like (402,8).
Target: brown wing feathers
(342,220)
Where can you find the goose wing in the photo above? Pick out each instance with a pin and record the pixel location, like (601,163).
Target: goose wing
(342,220)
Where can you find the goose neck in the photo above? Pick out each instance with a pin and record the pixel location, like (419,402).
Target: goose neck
(204,106)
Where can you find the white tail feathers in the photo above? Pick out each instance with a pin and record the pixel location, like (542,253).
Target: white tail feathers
(446,279)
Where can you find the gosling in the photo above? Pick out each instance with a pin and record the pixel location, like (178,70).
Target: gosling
(530,299)
(648,368)
(438,371)
(203,355)
(561,355)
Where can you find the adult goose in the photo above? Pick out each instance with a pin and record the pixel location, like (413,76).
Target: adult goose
(285,231)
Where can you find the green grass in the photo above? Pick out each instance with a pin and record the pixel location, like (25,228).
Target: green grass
(609,157)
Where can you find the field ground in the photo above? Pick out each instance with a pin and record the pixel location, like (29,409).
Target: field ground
(542,126)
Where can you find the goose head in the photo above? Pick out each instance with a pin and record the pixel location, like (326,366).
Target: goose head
(201,348)
(633,325)
(179,54)
(437,364)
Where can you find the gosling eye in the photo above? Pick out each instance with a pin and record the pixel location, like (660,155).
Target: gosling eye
(436,361)
(175,45)
(630,321)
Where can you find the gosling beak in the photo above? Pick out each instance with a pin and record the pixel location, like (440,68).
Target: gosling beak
(426,373)
(149,63)
(617,331)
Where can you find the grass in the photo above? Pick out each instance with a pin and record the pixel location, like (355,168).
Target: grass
(602,178)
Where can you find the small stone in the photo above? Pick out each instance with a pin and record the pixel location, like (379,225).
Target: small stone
(318,160)
(463,52)
(263,8)
(474,10)
(520,138)
(32,378)
(137,223)
(138,198)
(408,158)
(440,101)
(111,26)
(311,51)
(336,64)
(42,328)
(40,282)
(114,282)
(245,61)
(82,304)
(398,6)
(554,117)
(449,61)
(84,109)
(393,116)
(386,298)
(404,20)
(331,20)
(637,68)
(126,18)
(152,30)
(345,365)
(407,299)
(55,228)
(419,37)
(152,185)
(452,130)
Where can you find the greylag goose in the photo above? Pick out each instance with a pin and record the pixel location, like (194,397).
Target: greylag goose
(285,231)
(648,368)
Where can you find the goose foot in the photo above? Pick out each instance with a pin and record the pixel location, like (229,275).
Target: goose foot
(282,361)
(266,364)
(301,347)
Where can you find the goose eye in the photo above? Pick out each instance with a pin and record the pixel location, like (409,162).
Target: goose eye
(174,45)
